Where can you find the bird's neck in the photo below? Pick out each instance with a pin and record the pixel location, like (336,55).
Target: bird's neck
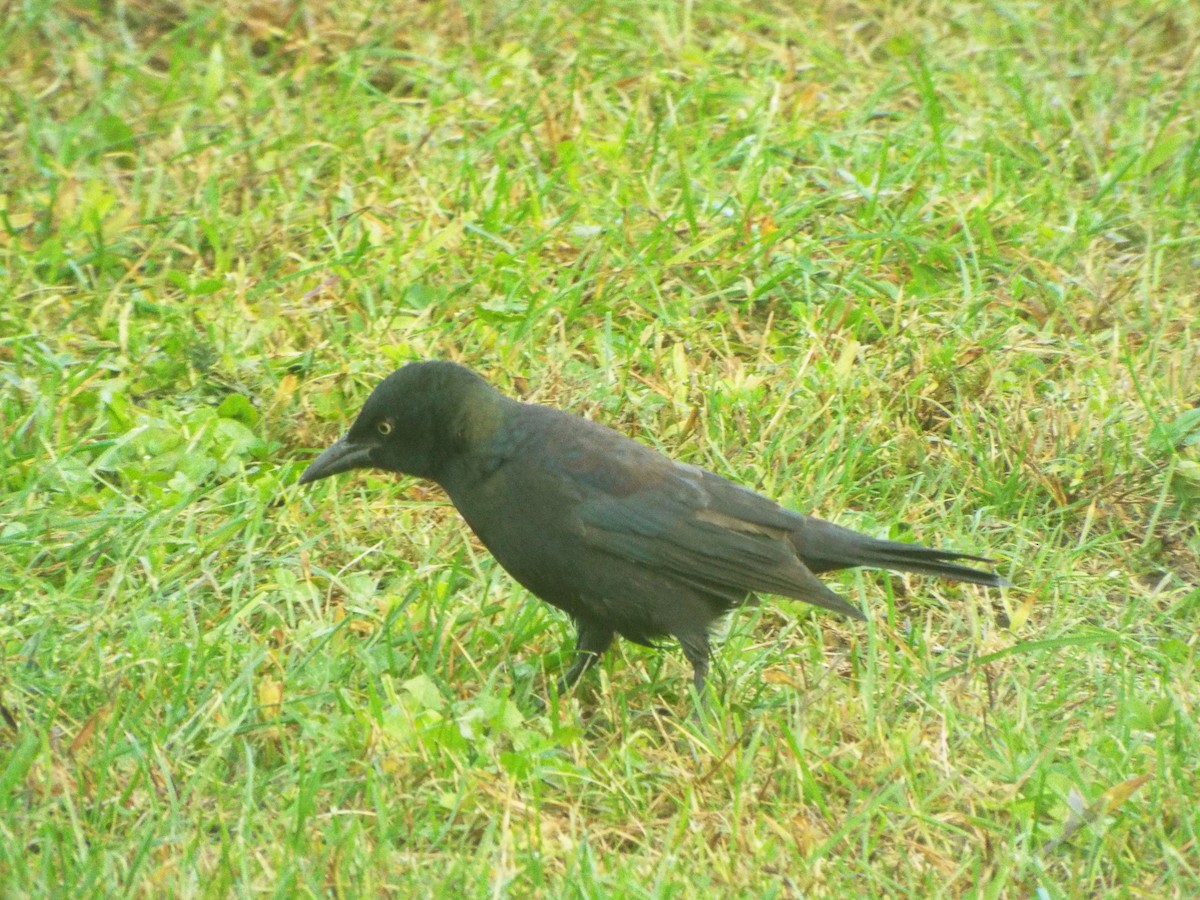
(476,440)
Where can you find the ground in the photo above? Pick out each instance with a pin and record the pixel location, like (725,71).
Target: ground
(925,269)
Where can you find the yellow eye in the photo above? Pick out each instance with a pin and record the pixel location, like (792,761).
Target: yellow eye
(384,427)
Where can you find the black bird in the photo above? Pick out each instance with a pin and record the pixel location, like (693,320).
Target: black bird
(615,534)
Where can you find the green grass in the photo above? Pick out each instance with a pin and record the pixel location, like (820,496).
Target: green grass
(927,269)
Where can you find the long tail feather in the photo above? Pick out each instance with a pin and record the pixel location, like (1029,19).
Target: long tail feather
(824,546)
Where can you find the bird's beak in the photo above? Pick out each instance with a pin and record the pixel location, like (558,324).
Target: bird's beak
(341,457)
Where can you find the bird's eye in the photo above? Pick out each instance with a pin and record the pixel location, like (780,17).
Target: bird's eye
(384,427)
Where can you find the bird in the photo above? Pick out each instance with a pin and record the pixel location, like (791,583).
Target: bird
(620,537)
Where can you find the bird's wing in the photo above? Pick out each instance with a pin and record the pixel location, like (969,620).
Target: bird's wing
(705,531)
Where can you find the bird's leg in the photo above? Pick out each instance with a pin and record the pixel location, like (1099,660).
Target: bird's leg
(697,651)
(591,641)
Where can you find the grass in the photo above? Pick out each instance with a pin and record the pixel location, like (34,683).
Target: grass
(925,269)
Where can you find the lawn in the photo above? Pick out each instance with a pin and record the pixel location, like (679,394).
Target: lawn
(929,270)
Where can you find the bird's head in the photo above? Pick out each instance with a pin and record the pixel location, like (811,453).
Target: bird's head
(414,420)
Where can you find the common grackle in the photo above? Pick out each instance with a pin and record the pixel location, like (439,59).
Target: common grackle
(620,537)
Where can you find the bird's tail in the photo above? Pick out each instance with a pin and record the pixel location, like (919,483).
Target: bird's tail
(824,546)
